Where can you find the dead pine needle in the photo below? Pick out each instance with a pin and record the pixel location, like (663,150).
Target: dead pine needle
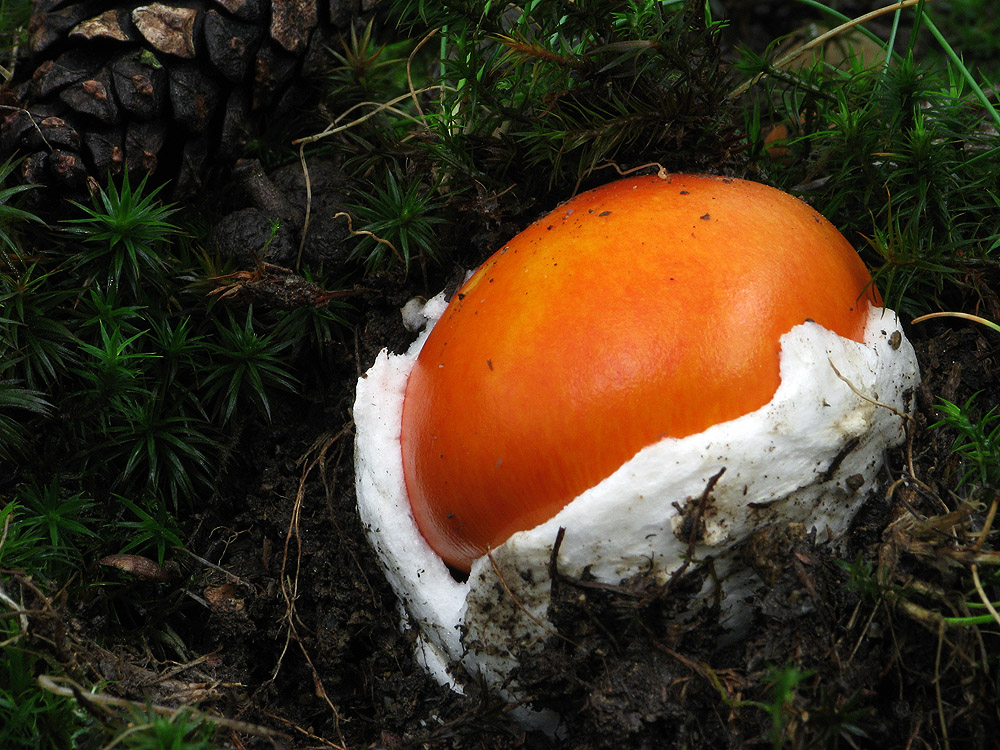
(290,579)
(352,230)
(937,688)
(854,389)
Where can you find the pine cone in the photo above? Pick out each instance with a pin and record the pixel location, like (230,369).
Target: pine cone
(170,88)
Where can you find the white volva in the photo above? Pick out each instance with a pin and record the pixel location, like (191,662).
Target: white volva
(808,456)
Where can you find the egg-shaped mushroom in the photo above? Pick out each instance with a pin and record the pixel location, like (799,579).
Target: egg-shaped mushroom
(649,348)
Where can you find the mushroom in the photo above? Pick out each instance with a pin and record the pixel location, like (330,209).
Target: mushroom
(651,346)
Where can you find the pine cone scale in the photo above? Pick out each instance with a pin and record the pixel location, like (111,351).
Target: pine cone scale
(292,21)
(168,29)
(108,25)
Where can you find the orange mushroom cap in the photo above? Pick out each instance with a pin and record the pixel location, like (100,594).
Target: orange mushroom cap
(643,309)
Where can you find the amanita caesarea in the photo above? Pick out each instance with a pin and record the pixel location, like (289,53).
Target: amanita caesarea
(594,375)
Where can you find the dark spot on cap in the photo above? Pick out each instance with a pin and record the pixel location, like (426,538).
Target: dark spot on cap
(706,217)
(604,213)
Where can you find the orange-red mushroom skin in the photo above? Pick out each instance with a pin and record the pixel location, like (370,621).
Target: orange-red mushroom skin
(644,309)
